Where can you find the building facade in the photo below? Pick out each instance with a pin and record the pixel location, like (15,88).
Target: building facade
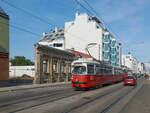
(130,62)
(112,50)
(55,39)
(4,46)
(86,30)
(52,65)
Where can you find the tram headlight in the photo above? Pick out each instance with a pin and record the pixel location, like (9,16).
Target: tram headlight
(77,80)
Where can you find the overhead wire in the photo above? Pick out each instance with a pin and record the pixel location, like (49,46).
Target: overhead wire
(29,13)
(21,29)
(45,21)
(36,17)
(78,3)
(104,23)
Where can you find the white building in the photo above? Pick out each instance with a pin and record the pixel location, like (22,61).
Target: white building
(130,62)
(141,68)
(19,71)
(54,38)
(147,65)
(86,30)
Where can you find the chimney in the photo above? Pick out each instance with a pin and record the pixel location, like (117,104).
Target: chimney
(56,29)
(44,33)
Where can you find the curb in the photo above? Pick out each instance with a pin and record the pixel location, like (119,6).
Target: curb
(34,86)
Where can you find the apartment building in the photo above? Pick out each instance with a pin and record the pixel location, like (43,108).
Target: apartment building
(87,31)
(4,46)
(54,38)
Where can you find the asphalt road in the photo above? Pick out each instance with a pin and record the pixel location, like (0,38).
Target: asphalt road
(140,103)
(111,98)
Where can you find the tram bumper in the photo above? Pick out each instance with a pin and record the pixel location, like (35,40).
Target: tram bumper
(80,84)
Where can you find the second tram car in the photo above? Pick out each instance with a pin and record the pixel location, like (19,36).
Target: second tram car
(90,73)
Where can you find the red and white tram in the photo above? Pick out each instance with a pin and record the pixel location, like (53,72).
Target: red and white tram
(90,73)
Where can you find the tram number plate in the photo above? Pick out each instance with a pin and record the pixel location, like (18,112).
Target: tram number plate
(76,85)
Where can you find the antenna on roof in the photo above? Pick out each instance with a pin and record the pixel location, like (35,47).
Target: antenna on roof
(78,4)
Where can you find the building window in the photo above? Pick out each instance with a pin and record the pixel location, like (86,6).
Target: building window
(106,47)
(58,45)
(113,51)
(106,38)
(63,66)
(106,55)
(50,45)
(113,58)
(113,43)
(62,34)
(113,64)
(97,27)
(55,67)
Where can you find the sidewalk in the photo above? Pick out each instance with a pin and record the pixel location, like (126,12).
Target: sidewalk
(140,103)
(33,86)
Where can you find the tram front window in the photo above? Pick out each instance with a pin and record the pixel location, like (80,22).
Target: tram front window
(90,69)
(79,70)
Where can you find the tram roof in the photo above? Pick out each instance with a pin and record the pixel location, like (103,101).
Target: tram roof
(91,60)
(86,60)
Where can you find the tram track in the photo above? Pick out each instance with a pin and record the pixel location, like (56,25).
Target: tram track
(56,96)
(50,98)
(30,99)
(124,95)
(44,99)
(116,101)
(94,99)
(106,106)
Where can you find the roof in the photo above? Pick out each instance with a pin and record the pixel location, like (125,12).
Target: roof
(80,54)
(3,14)
(85,60)
(96,19)
(53,52)
(2,11)
(55,34)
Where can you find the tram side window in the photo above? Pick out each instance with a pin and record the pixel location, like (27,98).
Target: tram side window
(109,70)
(115,71)
(106,70)
(98,69)
(90,69)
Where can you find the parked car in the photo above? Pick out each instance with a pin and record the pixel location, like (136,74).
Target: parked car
(130,80)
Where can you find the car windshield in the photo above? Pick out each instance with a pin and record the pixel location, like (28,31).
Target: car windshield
(129,77)
(79,70)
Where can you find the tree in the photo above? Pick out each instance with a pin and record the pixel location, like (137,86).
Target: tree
(21,61)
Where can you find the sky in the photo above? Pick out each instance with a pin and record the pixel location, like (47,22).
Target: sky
(127,20)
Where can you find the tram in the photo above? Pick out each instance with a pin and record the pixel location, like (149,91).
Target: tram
(91,73)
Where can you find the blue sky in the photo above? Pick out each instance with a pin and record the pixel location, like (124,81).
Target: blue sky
(128,19)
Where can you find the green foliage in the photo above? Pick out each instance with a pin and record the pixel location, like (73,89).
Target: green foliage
(21,61)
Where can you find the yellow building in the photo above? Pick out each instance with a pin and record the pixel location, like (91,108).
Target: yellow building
(4,46)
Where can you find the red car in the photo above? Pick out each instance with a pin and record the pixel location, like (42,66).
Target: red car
(129,80)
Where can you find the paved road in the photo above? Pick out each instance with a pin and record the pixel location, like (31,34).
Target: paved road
(66,100)
(141,101)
